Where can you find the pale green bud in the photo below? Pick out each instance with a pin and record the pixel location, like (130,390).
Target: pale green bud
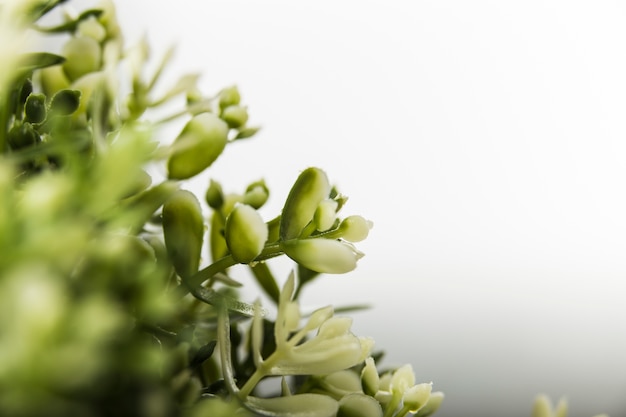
(90,27)
(183,227)
(543,407)
(245,233)
(214,195)
(370,380)
(256,194)
(403,378)
(53,79)
(83,55)
(199,144)
(416,396)
(235,116)
(433,404)
(229,97)
(308,191)
(292,316)
(341,383)
(323,255)
(318,317)
(359,405)
(325,214)
(354,228)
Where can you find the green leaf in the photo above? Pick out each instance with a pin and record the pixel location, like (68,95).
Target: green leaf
(247,132)
(266,280)
(204,353)
(37,60)
(65,102)
(72,24)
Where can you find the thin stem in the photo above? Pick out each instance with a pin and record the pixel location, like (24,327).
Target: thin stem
(223,336)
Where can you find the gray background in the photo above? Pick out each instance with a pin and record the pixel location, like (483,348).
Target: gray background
(485,139)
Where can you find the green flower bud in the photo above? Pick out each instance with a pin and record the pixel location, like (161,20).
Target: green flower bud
(256,194)
(402,379)
(214,195)
(354,228)
(83,55)
(65,102)
(183,227)
(341,383)
(416,397)
(229,97)
(235,116)
(325,215)
(370,380)
(433,404)
(91,28)
(199,144)
(53,79)
(322,255)
(308,191)
(35,108)
(245,233)
(359,405)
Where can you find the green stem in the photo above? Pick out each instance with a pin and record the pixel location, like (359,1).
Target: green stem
(223,336)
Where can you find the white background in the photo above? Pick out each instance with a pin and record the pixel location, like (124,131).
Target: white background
(485,139)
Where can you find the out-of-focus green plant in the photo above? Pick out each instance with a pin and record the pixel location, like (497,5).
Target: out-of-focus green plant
(107,306)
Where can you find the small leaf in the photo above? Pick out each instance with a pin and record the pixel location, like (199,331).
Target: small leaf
(35,108)
(247,132)
(204,353)
(36,60)
(65,102)
(72,24)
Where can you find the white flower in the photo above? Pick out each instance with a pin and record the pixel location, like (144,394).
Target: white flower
(323,255)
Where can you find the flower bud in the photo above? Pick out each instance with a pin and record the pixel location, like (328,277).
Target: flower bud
(229,97)
(256,194)
(214,195)
(433,404)
(402,379)
(199,144)
(322,255)
(91,28)
(354,228)
(183,227)
(417,396)
(245,233)
(308,191)
(359,405)
(370,380)
(325,215)
(235,116)
(83,55)
(35,108)
(53,79)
